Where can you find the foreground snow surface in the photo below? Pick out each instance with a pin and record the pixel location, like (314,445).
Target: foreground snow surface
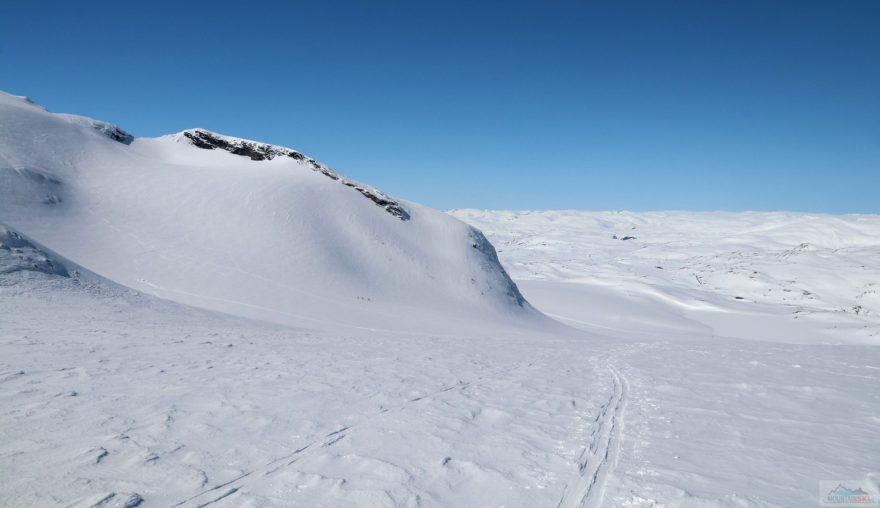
(670,394)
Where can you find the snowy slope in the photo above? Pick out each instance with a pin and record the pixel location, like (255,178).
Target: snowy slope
(111,398)
(242,227)
(123,400)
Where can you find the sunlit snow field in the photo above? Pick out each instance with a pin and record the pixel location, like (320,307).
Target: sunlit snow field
(679,395)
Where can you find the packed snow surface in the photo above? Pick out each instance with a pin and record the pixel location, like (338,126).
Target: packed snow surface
(180,326)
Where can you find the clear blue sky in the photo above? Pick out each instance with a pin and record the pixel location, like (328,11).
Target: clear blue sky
(699,105)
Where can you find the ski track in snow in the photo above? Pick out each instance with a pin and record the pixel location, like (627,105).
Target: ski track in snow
(599,456)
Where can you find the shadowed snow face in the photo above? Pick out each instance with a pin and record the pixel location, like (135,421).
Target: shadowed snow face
(18,254)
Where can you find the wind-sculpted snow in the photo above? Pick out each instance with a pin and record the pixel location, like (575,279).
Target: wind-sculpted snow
(243,227)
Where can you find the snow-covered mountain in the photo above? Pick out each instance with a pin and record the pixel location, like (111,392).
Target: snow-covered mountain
(244,227)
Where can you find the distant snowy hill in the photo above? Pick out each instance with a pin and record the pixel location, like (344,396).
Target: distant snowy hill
(244,227)
(788,277)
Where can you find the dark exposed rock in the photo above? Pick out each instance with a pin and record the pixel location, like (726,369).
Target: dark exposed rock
(258,152)
(113,132)
(255,151)
(199,142)
(390,206)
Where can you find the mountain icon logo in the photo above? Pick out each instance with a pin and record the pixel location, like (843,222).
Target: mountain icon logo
(843,495)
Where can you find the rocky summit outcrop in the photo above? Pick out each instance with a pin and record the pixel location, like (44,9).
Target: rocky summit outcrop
(255,151)
(260,152)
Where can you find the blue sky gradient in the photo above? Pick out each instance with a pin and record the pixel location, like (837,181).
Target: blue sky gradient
(685,105)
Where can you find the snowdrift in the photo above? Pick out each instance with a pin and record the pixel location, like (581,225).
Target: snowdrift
(245,228)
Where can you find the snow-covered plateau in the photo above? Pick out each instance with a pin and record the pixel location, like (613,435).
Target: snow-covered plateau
(202,320)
